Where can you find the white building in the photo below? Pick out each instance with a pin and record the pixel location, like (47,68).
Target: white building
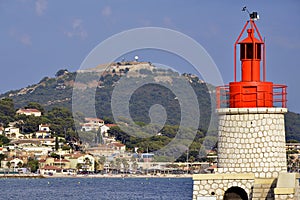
(43,132)
(13,133)
(29,111)
(92,124)
(87,162)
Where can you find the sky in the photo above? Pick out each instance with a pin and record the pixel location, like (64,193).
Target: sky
(40,37)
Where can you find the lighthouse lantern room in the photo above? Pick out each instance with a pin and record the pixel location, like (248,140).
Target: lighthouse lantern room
(252,90)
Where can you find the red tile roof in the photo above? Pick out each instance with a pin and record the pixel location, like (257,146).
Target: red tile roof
(51,168)
(28,110)
(118,144)
(93,119)
(111,125)
(62,160)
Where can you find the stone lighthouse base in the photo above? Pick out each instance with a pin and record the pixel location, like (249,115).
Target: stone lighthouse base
(245,186)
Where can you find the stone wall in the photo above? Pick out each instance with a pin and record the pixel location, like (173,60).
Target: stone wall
(215,185)
(252,140)
(287,187)
(263,189)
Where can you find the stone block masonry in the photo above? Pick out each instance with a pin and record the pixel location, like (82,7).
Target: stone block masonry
(215,185)
(252,140)
(251,158)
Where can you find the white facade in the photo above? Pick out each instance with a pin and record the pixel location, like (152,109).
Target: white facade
(87,162)
(29,111)
(92,124)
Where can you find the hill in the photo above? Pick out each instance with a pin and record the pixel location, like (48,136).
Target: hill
(57,91)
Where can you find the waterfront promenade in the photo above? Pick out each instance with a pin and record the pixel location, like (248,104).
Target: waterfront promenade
(96,176)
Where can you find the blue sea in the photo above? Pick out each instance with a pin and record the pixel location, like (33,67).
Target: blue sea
(96,188)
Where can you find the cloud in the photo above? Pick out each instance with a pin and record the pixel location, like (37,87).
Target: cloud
(77,29)
(106,11)
(23,38)
(40,7)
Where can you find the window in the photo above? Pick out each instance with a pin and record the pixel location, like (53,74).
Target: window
(246,51)
(258,51)
(249,51)
(242,51)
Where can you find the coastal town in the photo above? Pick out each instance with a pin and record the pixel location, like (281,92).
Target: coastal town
(43,154)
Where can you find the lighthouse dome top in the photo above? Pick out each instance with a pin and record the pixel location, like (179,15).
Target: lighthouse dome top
(251,38)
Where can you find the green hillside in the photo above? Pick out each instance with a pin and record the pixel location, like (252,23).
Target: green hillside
(292,126)
(57,92)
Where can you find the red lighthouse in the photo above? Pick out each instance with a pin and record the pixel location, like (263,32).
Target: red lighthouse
(251,133)
(252,90)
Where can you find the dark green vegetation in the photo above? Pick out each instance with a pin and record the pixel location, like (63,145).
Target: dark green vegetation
(292,126)
(7,111)
(53,96)
(60,120)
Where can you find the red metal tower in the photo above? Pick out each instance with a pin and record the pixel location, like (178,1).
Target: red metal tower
(251,91)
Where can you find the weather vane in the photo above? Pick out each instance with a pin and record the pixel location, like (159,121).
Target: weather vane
(253,15)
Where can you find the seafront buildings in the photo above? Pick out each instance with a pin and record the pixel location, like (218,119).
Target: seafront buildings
(108,157)
(47,154)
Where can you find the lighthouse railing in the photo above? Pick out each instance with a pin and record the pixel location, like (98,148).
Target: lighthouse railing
(279,96)
(222,96)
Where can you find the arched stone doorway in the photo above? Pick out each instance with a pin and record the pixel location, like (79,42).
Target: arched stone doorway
(235,193)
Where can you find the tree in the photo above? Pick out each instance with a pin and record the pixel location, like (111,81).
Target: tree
(118,164)
(8,164)
(61,72)
(108,120)
(2,157)
(62,122)
(134,166)
(87,163)
(56,143)
(97,166)
(4,140)
(125,165)
(33,164)
(112,165)
(7,111)
(78,166)
(55,155)
(65,147)
(99,137)
(30,124)
(19,164)
(102,160)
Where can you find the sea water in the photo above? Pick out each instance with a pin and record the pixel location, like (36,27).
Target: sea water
(96,188)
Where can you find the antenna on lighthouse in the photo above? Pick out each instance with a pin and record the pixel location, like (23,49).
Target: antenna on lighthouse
(245,9)
(253,15)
